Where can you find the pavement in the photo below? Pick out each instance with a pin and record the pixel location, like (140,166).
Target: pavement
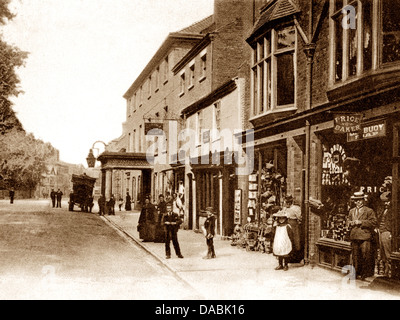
(249,275)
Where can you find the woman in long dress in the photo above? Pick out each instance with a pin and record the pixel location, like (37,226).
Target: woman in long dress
(294,215)
(128,201)
(147,224)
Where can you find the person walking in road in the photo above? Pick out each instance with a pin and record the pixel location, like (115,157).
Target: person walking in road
(209,233)
(283,240)
(90,203)
(102,203)
(128,202)
(53,196)
(171,222)
(59,198)
(362,221)
(111,206)
(12,194)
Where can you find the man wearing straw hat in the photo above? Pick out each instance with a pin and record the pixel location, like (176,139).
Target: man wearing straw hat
(362,221)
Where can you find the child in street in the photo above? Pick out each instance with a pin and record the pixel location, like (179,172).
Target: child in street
(120,203)
(209,232)
(283,240)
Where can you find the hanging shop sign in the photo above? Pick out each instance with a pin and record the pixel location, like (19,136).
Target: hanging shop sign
(154,128)
(238,206)
(369,130)
(347,122)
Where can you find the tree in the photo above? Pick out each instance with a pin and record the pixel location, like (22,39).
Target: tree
(11,58)
(23,159)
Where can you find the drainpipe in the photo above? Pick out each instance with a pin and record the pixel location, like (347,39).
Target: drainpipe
(309,50)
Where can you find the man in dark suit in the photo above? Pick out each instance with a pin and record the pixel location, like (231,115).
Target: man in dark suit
(209,233)
(12,194)
(362,221)
(59,197)
(102,204)
(53,195)
(171,222)
(385,230)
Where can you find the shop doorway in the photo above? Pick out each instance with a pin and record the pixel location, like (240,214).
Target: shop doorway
(146,184)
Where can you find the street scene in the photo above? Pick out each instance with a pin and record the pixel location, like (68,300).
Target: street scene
(56,254)
(235,149)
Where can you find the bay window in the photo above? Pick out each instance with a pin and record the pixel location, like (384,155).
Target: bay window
(365,37)
(273,71)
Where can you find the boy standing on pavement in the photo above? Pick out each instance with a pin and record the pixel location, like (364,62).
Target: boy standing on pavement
(209,233)
(171,222)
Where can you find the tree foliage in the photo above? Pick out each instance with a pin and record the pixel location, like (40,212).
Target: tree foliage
(22,157)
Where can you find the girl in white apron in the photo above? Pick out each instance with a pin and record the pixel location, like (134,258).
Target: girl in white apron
(283,240)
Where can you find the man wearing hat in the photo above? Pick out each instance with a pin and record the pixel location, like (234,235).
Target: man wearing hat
(385,231)
(171,222)
(362,221)
(209,232)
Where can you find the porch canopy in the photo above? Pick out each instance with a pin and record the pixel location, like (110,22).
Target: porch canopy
(111,161)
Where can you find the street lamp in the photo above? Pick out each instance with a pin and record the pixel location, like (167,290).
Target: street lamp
(91,159)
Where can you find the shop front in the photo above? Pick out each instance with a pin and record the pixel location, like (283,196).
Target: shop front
(215,184)
(351,162)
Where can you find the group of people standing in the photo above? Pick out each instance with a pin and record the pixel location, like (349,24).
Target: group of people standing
(108,207)
(368,233)
(56,198)
(161,222)
(287,239)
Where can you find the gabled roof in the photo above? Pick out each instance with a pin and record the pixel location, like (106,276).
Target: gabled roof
(191,34)
(199,26)
(273,11)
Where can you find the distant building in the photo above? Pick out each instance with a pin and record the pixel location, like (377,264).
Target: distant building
(57,176)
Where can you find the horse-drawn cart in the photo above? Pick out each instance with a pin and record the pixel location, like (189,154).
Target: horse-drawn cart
(82,194)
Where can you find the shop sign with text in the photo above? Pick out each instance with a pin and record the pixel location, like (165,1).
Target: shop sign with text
(369,130)
(347,123)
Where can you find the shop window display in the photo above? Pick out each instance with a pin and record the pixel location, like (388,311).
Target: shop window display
(346,168)
(257,233)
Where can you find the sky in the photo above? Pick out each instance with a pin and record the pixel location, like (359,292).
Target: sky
(83,57)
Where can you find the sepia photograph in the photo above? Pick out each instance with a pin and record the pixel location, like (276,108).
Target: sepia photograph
(199,154)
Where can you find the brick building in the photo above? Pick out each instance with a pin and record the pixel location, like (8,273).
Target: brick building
(312,62)
(281,71)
